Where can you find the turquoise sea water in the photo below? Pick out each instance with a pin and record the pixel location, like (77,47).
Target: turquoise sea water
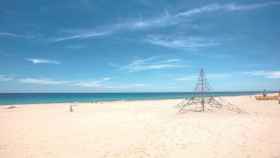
(35,98)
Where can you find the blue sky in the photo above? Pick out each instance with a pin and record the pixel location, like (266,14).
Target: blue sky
(138,45)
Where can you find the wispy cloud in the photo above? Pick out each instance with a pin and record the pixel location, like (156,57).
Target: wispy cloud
(130,25)
(92,84)
(71,83)
(6,78)
(225,7)
(89,84)
(219,75)
(42,61)
(49,81)
(41,81)
(82,35)
(261,73)
(163,20)
(245,7)
(127,86)
(75,46)
(106,78)
(8,34)
(102,84)
(209,76)
(185,43)
(264,73)
(153,63)
(186,78)
(15,35)
(166,19)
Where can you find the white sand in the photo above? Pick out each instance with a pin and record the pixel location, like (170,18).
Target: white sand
(134,129)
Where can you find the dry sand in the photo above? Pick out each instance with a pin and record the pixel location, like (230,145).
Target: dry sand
(134,129)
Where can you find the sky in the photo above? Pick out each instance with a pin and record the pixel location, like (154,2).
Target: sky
(138,45)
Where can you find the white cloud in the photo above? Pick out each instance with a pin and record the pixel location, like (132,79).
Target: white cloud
(245,7)
(187,78)
(225,7)
(69,83)
(5,78)
(92,84)
(8,34)
(136,24)
(173,60)
(102,84)
(81,83)
(266,74)
(153,63)
(82,35)
(204,9)
(47,81)
(14,35)
(106,78)
(208,76)
(218,75)
(99,84)
(185,43)
(88,84)
(75,46)
(40,81)
(127,86)
(42,61)
(166,19)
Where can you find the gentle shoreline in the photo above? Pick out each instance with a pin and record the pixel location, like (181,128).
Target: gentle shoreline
(46,98)
(101,102)
(112,101)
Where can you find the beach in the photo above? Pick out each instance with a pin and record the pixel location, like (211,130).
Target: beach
(143,128)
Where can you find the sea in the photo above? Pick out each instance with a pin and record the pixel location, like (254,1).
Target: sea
(41,98)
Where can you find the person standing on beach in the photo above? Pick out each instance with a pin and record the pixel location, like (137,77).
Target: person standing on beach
(279,97)
(71,108)
(264,93)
